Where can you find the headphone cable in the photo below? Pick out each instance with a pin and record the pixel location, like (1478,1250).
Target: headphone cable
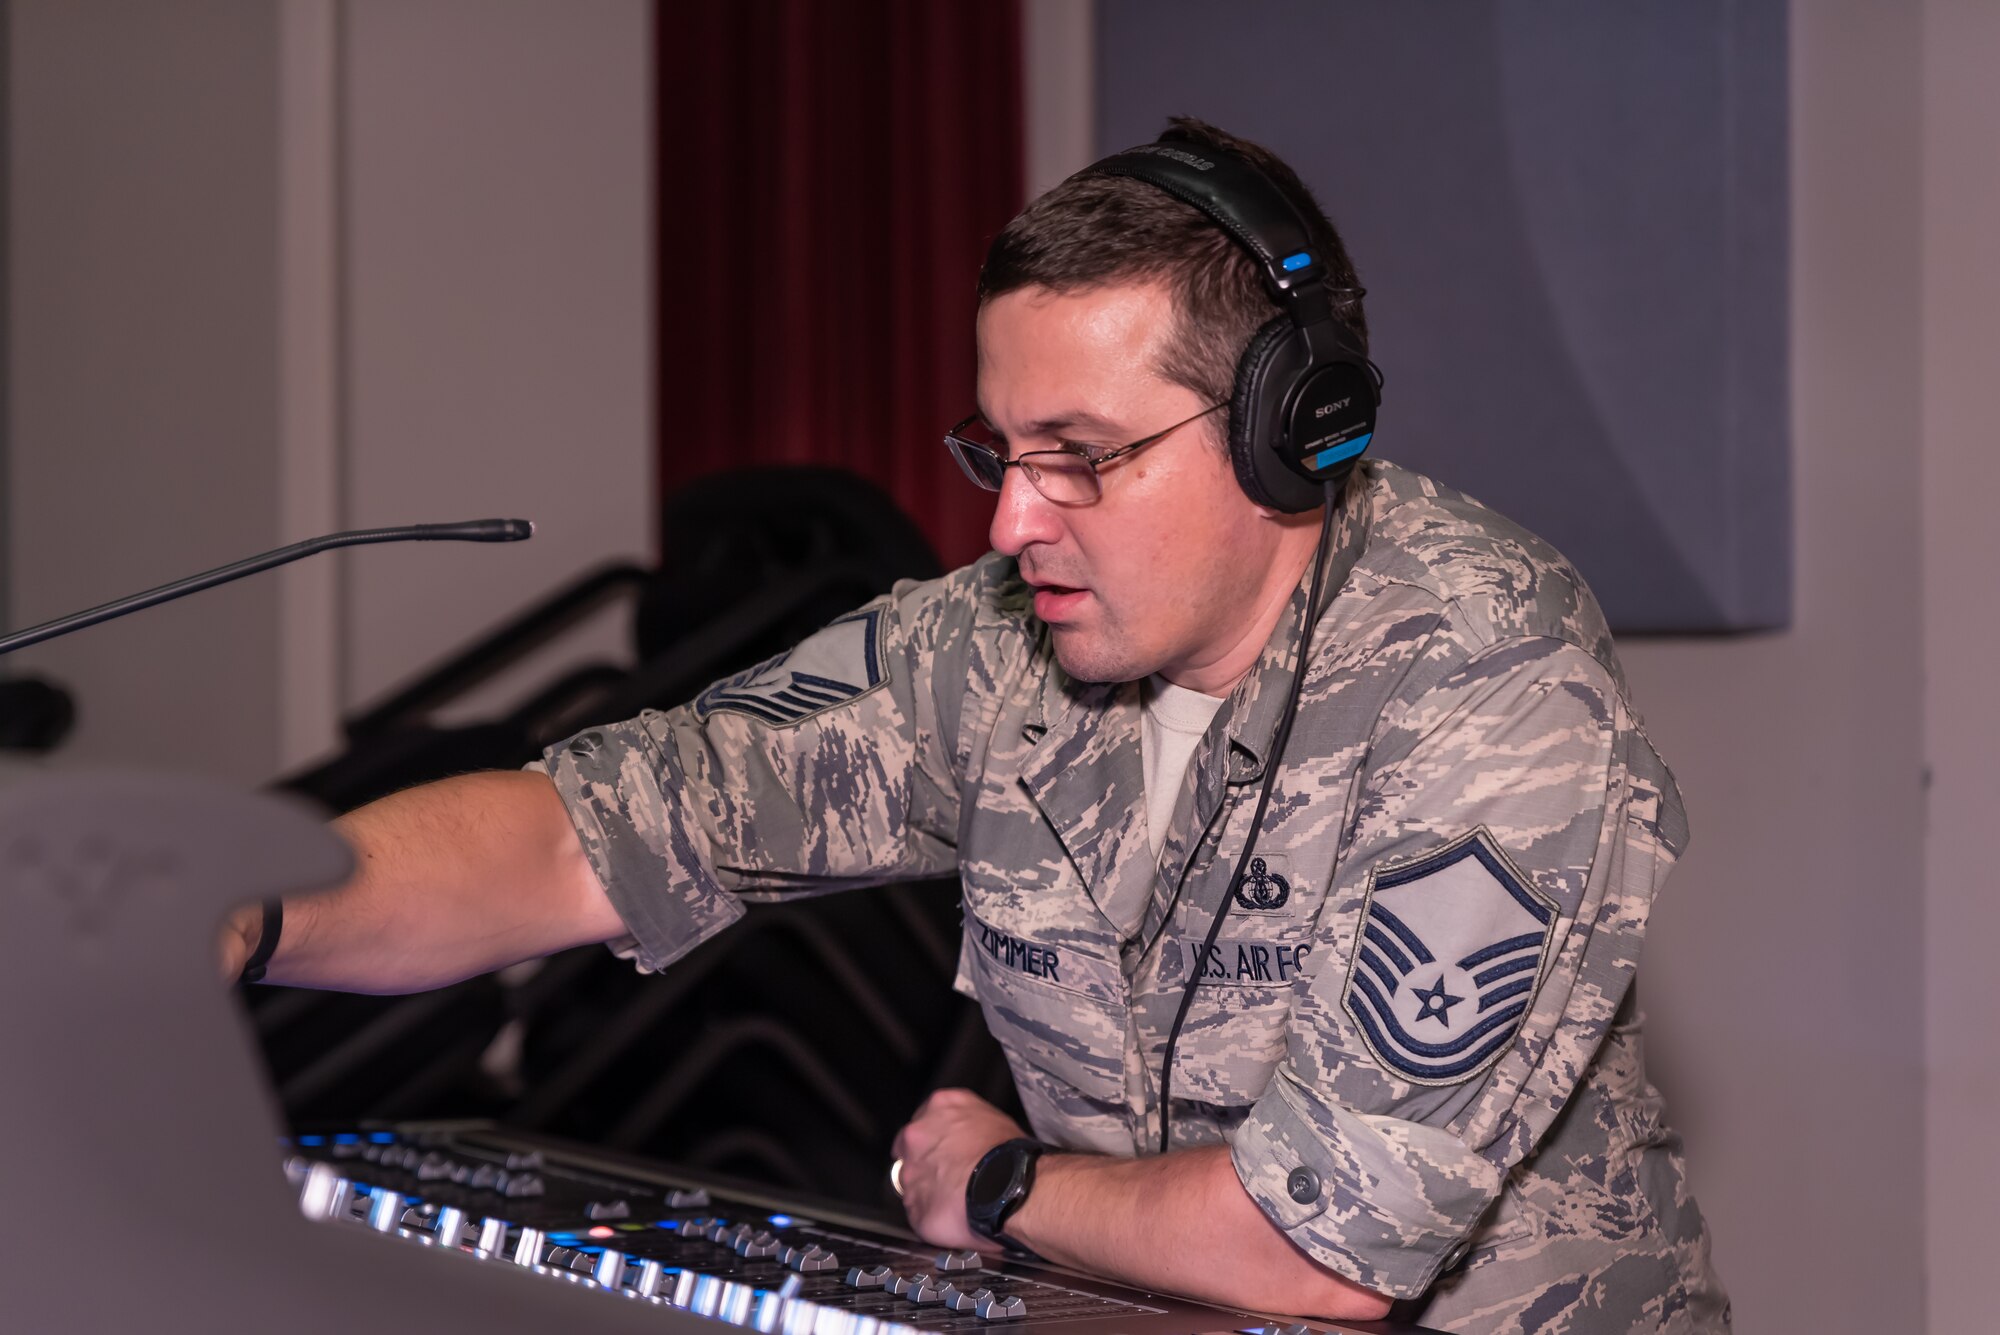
(1282,735)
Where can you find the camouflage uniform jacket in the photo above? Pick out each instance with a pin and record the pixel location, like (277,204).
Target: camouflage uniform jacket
(1415,1030)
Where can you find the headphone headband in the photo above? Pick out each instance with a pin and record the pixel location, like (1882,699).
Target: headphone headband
(1303,407)
(1243,202)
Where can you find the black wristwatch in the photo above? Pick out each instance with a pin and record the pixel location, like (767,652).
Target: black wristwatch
(999,1186)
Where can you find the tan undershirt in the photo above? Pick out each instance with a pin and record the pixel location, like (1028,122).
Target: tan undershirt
(1174,720)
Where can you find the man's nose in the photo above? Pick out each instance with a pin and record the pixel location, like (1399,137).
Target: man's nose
(1022,516)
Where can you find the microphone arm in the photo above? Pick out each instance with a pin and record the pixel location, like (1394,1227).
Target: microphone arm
(476,530)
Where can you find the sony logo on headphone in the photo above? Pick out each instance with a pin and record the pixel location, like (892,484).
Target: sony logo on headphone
(1333,407)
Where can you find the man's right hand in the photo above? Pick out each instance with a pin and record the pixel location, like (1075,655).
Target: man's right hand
(240,933)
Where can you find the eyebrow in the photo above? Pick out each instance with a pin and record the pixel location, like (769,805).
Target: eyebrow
(1050,426)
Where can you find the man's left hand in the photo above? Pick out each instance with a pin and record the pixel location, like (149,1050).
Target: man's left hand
(940,1147)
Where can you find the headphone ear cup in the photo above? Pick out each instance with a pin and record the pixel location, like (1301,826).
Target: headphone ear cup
(1267,364)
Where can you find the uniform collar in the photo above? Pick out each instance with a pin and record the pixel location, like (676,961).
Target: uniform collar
(1086,771)
(1250,717)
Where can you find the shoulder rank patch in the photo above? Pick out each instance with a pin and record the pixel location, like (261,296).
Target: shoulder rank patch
(842,661)
(1450,951)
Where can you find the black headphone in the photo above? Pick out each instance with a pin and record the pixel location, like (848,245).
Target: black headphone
(1303,409)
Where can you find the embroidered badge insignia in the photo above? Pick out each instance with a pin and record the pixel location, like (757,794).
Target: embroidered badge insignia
(838,663)
(1450,951)
(1261,888)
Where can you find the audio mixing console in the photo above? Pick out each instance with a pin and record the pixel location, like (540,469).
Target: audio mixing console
(646,1234)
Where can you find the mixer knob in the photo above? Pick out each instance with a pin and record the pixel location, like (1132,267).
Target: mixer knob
(734,1303)
(756,1245)
(960,1260)
(705,1299)
(531,1159)
(385,1209)
(529,1247)
(325,1193)
(485,1178)
(450,1226)
(995,1308)
(610,1268)
(524,1184)
(870,1277)
(647,1282)
(432,1167)
(492,1235)
(804,1318)
(416,1223)
(683,1290)
(601,1210)
(810,1259)
(957,1299)
(694,1199)
(925,1289)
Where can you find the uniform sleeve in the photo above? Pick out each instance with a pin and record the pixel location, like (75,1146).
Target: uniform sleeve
(1483,926)
(828,766)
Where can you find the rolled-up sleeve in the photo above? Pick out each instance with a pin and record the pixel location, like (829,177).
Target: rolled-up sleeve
(829,766)
(1483,927)
(626,794)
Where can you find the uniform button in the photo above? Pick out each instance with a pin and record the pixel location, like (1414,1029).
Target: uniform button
(1304,1185)
(584,746)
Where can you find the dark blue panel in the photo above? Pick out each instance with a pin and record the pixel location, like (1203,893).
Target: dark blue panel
(1571,220)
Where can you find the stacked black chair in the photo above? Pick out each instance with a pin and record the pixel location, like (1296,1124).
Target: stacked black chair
(788,1050)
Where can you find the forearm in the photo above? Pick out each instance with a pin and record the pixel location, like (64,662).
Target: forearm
(452,879)
(1181,1223)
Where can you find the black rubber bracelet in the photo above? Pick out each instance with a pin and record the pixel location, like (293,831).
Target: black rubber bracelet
(267,944)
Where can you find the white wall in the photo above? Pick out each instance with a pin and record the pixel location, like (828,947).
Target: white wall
(1783,974)
(143,401)
(284,268)
(498,340)
(1961,555)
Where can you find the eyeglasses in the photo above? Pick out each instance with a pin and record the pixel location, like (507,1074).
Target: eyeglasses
(1067,476)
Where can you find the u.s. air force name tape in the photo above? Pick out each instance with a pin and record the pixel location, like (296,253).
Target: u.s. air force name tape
(1449,954)
(843,661)
(1236,960)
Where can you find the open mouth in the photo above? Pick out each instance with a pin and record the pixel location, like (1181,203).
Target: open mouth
(1054,601)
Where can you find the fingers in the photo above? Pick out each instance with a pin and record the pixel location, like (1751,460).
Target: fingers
(236,939)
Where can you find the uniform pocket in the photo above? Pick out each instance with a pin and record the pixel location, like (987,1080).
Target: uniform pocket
(1047,1006)
(1234,1036)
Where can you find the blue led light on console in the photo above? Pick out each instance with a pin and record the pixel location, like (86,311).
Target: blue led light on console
(1293,263)
(782,1220)
(382,1137)
(667,1223)
(347,1138)
(312,1141)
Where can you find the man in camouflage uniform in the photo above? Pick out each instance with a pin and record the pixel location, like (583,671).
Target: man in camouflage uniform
(1411,1068)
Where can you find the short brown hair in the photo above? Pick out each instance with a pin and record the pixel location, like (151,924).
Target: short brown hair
(1092,231)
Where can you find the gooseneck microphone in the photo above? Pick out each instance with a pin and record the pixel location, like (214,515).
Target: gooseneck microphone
(475,530)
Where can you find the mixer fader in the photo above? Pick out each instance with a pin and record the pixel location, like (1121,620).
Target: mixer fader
(644,1234)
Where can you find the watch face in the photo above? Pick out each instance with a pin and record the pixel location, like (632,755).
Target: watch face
(993,1176)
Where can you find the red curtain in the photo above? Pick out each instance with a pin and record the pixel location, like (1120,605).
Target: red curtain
(829,176)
